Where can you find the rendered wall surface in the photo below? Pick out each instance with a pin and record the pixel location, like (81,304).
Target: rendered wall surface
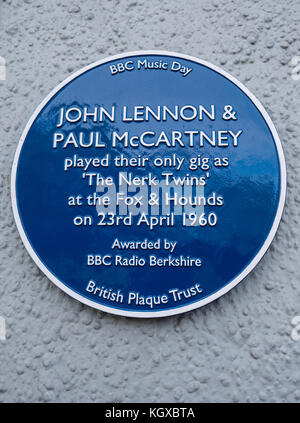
(238,348)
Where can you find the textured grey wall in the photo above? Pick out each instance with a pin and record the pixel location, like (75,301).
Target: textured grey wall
(238,348)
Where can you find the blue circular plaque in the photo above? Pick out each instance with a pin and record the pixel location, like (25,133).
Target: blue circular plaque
(148,184)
